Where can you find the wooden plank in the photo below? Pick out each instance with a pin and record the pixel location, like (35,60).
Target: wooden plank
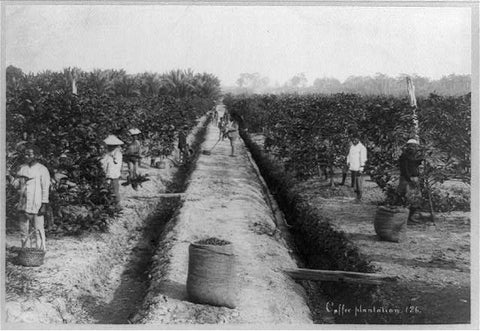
(337,275)
(161,195)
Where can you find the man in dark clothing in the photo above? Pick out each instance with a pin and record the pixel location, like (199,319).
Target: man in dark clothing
(182,144)
(408,186)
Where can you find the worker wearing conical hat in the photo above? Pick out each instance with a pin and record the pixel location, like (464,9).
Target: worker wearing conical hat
(112,164)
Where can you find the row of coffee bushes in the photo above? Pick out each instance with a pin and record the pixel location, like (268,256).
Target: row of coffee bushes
(318,244)
(307,130)
(69,128)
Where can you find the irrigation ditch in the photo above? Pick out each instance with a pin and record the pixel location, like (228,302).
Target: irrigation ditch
(101,278)
(136,276)
(136,272)
(319,245)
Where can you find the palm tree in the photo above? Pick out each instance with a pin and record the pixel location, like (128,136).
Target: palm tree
(149,84)
(100,81)
(207,86)
(178,83)
(126,85)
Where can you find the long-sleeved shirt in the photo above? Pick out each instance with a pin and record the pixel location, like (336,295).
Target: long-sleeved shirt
(33,183)
(112,163)
(357,156)
(409,162)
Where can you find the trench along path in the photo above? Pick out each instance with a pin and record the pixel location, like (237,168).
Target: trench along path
(225,199)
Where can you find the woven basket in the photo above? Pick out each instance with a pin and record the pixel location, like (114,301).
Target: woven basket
(31,257)
(391,223)
(211,275)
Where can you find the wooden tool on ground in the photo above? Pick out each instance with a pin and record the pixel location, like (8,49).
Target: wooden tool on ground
(337,275)
(210,151)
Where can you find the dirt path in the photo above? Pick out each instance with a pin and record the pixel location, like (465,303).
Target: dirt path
(77,282)
(433,262)
(224,199)
(95,277)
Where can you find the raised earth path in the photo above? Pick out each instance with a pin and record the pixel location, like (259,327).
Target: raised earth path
(225,199)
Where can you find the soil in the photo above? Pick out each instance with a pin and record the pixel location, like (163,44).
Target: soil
(95,277)
(136,272)
(432,262)
(225,200)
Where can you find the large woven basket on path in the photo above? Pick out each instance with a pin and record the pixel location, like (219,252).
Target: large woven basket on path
(29,256)
(211,273)
(391,223)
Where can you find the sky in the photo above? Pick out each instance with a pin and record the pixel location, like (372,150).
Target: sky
(276,41)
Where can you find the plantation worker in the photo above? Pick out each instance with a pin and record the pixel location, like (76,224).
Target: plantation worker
(356,158)
(132,154)
(408,185)
(112,164)
(33,183)
(222,127)
(215,116)
(231,132)
(345,169)
(182,144)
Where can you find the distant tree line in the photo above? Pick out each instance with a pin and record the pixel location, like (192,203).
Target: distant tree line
(176,83)
(379,84)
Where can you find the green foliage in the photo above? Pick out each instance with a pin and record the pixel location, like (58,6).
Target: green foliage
(69,130)
(311,130)
(321,246)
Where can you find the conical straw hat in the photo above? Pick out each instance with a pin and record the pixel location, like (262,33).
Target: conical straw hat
(134,131)
(112,140)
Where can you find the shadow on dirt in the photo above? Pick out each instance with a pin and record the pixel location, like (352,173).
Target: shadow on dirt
(135,278)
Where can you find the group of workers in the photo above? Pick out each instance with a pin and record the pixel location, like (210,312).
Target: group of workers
(33,179)
(409,162)
(228,128)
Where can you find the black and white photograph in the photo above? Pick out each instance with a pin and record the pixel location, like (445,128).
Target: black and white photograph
(271,165)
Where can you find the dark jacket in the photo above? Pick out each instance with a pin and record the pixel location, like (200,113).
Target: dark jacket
(182,139)
(409,162)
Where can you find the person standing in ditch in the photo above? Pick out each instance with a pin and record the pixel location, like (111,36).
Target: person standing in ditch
(183,147)
(112,165)
(408,185)
(33,184)
(356,158)
(132,155)
(231,132)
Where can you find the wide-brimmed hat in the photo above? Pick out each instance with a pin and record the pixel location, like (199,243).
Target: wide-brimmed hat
(134,131)
(412,141)
(113,140)
(59,176)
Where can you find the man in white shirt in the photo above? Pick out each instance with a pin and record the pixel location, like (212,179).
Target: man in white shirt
(112,164)
(356,158)
(33,183)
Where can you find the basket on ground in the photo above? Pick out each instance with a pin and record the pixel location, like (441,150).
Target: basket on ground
(391,223)
(211,273)
(29,256)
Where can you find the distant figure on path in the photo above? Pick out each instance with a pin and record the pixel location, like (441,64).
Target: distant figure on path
(183,148)
(356,158)
(215,115)
(33,184)
(408,185)
(112,165)
(232,134)
(132,155)
(222,124)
